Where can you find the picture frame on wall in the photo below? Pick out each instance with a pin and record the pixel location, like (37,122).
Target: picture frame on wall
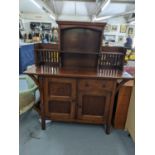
(120,39)
(130,31)
(21,26)
(114,28)
(107,28)
(123,28)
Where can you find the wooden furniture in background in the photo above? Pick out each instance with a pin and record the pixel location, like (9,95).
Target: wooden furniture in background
(122,105)
(130,123)
(81,83)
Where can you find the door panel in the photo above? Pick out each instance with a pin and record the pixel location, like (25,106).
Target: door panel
(59,107)
(88,101)
(60,98)
(93,106)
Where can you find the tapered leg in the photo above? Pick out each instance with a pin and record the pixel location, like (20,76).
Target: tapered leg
(43,124)
(108,129)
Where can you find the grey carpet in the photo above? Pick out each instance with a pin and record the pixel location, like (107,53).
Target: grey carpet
(70,139)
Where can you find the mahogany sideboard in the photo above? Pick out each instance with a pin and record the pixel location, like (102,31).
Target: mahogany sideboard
(78,82)
(76,95)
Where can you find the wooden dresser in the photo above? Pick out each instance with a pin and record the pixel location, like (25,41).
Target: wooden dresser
(78,82)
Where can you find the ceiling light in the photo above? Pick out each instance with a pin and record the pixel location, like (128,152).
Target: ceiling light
(132,22)
(102,18)
(114,16)
(105,4)
(36,4)
(51,16)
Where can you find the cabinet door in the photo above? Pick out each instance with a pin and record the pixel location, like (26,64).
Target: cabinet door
(94,97)
(60,94)
(93,106)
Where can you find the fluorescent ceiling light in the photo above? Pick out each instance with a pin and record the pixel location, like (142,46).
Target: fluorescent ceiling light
(51,16)
(114,16)
(102,18)
(36,4)
(132,22)
(105,4)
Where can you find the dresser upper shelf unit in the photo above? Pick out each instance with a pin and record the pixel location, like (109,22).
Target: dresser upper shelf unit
(80,42)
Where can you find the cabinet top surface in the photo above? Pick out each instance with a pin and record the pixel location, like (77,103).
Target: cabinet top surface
(77,73)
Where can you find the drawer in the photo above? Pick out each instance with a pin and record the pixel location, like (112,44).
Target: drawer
(95,84)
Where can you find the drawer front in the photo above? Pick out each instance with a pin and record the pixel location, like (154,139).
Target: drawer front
(85,84)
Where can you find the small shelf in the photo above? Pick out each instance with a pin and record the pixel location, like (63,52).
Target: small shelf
(76,52)
(114,53)
(93,53)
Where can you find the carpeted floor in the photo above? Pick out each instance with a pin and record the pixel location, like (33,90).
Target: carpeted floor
(70,139)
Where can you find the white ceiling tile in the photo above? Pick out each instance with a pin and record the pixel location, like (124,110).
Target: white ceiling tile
(114,8)
(68,8)
(81,9)
(28,7)
(72,9)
